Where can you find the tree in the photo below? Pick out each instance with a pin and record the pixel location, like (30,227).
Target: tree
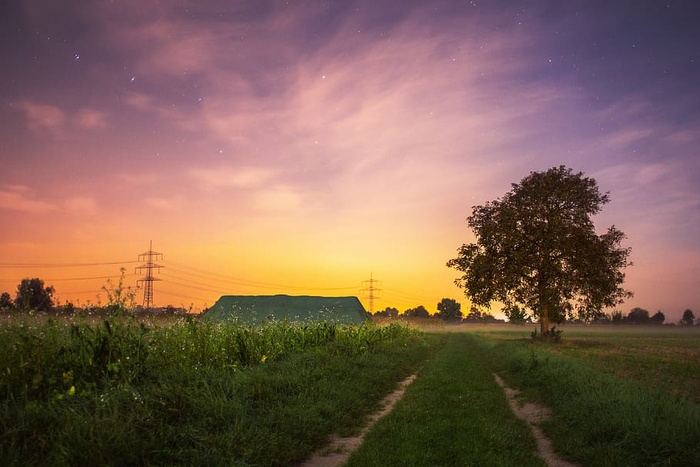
(417,312)
(6,302)
(388,312)
(616,317)
(537,248)
(658,318)
(516,315)
(688,318)
(32,295)
(638,316)
(449,310)
(474,314)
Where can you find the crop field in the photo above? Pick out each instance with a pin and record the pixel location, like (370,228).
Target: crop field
(118,391)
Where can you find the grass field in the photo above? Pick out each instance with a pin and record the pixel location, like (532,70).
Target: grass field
(602,414)
(123,392)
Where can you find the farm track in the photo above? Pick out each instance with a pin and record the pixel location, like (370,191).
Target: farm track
(339,449)
(533,414)
(454,413)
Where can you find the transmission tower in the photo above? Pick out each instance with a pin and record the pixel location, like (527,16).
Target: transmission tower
(369,291)
(148,257)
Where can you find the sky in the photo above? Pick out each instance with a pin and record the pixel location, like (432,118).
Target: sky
(304,147)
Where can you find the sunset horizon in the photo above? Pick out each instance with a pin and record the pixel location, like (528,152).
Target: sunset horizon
(270,148)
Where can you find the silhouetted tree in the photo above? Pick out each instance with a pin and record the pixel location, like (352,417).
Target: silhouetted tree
(616,317)
(688,318)
(417,312)
(638,316)
(474,314)
(388,312)
(32,295)
(6,302)
(658,318)
(449,310)
(537,248)
(516,314)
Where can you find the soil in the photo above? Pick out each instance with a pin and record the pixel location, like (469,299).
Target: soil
(339,449)
(533,414)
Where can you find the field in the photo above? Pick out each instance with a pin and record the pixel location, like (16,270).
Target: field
(123,392)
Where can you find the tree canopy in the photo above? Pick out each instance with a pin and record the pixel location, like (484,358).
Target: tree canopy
(537,248)
(32,295)
(449,310)
(417,312)
(688,318)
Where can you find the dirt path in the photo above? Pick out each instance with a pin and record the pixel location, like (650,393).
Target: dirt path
(533,414)
(339,449)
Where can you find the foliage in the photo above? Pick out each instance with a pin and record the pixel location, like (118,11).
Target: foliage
(688,318)
(6,303)
(417,312)
(658,318)
(123,393)
(473,315)
(616,317)
(33,296)
(638,316)
(120,299)
(516,314)
(537,248)
(449,309)
(388,312)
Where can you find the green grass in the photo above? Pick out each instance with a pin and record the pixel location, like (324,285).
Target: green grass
(453,414)
(600,418)
(122,393)
(666,359)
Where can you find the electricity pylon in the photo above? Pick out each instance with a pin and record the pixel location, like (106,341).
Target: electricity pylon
(369,290)
(149,257)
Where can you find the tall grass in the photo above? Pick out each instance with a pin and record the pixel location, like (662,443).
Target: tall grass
(122,392)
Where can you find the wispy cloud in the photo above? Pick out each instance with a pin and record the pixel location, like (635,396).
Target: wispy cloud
(51,120)
(21,199)
(91,119)
(44,118)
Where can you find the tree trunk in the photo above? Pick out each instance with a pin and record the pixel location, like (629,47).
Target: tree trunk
(544,320)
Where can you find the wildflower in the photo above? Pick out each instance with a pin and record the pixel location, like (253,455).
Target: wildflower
(263,359)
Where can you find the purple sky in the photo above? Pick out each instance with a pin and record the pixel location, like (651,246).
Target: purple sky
(297,147)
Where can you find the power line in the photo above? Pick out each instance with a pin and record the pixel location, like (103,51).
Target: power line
(61,265)
(242,282)
(85,278)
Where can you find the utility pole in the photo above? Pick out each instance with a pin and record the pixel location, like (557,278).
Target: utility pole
(369,290)
(148,257)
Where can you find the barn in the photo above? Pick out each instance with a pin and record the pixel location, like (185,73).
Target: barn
(255,310)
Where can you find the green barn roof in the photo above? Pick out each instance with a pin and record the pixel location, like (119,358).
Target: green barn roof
(259,309)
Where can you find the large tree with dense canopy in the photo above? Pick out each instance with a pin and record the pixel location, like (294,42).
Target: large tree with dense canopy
(536,248)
